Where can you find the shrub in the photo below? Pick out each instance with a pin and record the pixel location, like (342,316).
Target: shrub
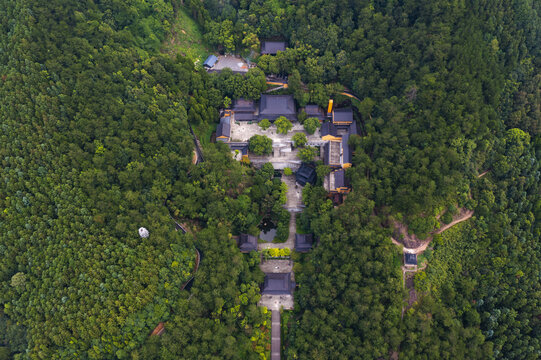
(264,124)
(299,140)
(307,154)
(260,145)
(311,124)
(283,125)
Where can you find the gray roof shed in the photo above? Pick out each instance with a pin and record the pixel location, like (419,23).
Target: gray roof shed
(272,47)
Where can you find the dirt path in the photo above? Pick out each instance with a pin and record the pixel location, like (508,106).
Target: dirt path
(483,174)
(413,245)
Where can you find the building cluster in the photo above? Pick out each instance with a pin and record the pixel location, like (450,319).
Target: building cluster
(336,129)
(336,151)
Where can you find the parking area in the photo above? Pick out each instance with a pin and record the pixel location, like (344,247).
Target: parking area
(235,63)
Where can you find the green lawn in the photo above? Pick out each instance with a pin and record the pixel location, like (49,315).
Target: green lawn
(186,38)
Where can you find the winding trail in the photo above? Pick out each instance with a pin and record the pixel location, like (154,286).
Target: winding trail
(464,215)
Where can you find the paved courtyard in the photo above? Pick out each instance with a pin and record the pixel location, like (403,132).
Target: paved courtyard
(277,266)
(275,302)
(283,155)
(243,131)
(235,63)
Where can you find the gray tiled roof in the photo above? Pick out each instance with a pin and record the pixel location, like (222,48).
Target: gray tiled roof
(272,47)
(328,128)
(342,115)
(273,106)
(247,242)
(314,111)
(224,127)
(303,242)
(243,105)
(410,259)
(278,284)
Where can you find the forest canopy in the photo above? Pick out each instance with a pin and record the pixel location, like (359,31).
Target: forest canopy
(96,133)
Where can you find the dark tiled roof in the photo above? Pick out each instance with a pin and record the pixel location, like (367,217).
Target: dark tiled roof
(244,116)
(224,128)
(274,106)
(303,242)
(339,179)
(346,150)
(243,105)
(272,47)
(314,111)
(410,259)
(328,128)
(305,174)
(241,146)
(211,61)
(342,115)
(278,284)
(247,243)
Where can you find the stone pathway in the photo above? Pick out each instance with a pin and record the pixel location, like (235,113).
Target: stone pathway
(275,335)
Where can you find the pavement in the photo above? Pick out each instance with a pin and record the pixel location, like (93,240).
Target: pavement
(235,63)
(276,302)
(242,131)
(276,266)
(275,335)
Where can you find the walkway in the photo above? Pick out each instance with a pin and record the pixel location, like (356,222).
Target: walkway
(286,301)
(275,335)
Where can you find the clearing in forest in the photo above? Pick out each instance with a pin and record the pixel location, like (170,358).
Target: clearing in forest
(186,38)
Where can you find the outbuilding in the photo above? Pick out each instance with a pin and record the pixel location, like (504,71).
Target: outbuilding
(272,47)
(247,243)
(303,242)
(410,259)
(210,62)
(223,131)
(305,174)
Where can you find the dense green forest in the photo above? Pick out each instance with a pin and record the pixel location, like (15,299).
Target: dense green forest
(95,143)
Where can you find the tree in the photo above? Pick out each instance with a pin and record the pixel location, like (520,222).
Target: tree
(227,102)
(260,145)
(307,154)
(311,124)
(288,172)
(283,125)
(18,280)
(296,86)
(264,124)
(299,139)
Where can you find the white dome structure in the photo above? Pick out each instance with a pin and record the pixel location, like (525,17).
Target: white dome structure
(143,232)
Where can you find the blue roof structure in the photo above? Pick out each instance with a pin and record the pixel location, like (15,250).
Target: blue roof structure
(210,62)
